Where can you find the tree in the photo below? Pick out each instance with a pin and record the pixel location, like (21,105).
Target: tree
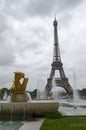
(4,91)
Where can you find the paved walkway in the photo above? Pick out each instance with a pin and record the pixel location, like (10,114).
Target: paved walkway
(32,125)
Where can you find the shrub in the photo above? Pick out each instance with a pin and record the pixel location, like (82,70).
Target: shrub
(53,115)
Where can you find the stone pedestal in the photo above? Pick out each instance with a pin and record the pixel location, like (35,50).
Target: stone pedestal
(19,97)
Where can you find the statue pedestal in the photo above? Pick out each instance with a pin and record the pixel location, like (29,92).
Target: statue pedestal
(19,97)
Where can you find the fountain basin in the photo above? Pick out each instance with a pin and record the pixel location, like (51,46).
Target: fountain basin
(72,109)
(70,104)
(20,109)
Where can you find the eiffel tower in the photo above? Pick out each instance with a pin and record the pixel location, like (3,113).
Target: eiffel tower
(57,65)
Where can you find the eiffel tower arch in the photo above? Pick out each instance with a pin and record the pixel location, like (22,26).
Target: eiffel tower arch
(57,65)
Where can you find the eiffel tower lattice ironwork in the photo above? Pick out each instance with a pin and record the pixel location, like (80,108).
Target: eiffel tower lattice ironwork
(57,65)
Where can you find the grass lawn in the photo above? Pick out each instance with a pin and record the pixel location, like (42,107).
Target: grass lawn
(68,123)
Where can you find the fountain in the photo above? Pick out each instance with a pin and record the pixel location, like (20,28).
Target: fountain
(68,106)
(20,105)
(74,107)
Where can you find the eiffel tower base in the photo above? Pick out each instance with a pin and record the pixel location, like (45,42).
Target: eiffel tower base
(64,84)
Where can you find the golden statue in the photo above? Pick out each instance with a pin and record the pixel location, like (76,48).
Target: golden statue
(18,89)
(17,86)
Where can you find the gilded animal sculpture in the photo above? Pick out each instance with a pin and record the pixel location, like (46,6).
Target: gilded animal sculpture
(17,86)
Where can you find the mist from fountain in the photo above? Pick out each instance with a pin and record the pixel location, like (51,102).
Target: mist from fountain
(55,95)
(75,92)
(41,94)
(76,97)
(55,90)
(29,96)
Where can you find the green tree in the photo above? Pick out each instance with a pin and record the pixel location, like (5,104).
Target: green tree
(3,91)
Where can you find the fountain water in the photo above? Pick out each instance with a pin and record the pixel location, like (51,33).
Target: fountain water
(55,90)
(5,96)
(75,92)
(76,96)
(24,114)
(38,94)
(12,109)
(41,94)
(55,95)
(0,112)
(6,125)
(30,99)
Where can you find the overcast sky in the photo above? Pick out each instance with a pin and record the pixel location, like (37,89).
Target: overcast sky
(26,40)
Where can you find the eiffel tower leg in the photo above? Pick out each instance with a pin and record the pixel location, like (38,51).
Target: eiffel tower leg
(64,81)
(49,82)
(62,74)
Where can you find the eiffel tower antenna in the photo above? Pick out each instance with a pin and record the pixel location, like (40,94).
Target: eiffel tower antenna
(57,65)
(55,16)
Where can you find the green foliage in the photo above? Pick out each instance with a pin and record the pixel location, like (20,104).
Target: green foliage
(82,92)
(33,94)
(53,115)
(70,123)
(3,91)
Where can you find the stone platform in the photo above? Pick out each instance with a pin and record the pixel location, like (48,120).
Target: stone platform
(19,109)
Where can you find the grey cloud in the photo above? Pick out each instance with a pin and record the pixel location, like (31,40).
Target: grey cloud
(31,8)
(5,76)
(30,41)
(6,55)
(37,7)
(46,8)
(26,44)
(16,8)
(6,42)
(3,23)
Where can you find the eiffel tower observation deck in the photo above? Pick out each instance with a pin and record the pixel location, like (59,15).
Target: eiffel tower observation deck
(57,65)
